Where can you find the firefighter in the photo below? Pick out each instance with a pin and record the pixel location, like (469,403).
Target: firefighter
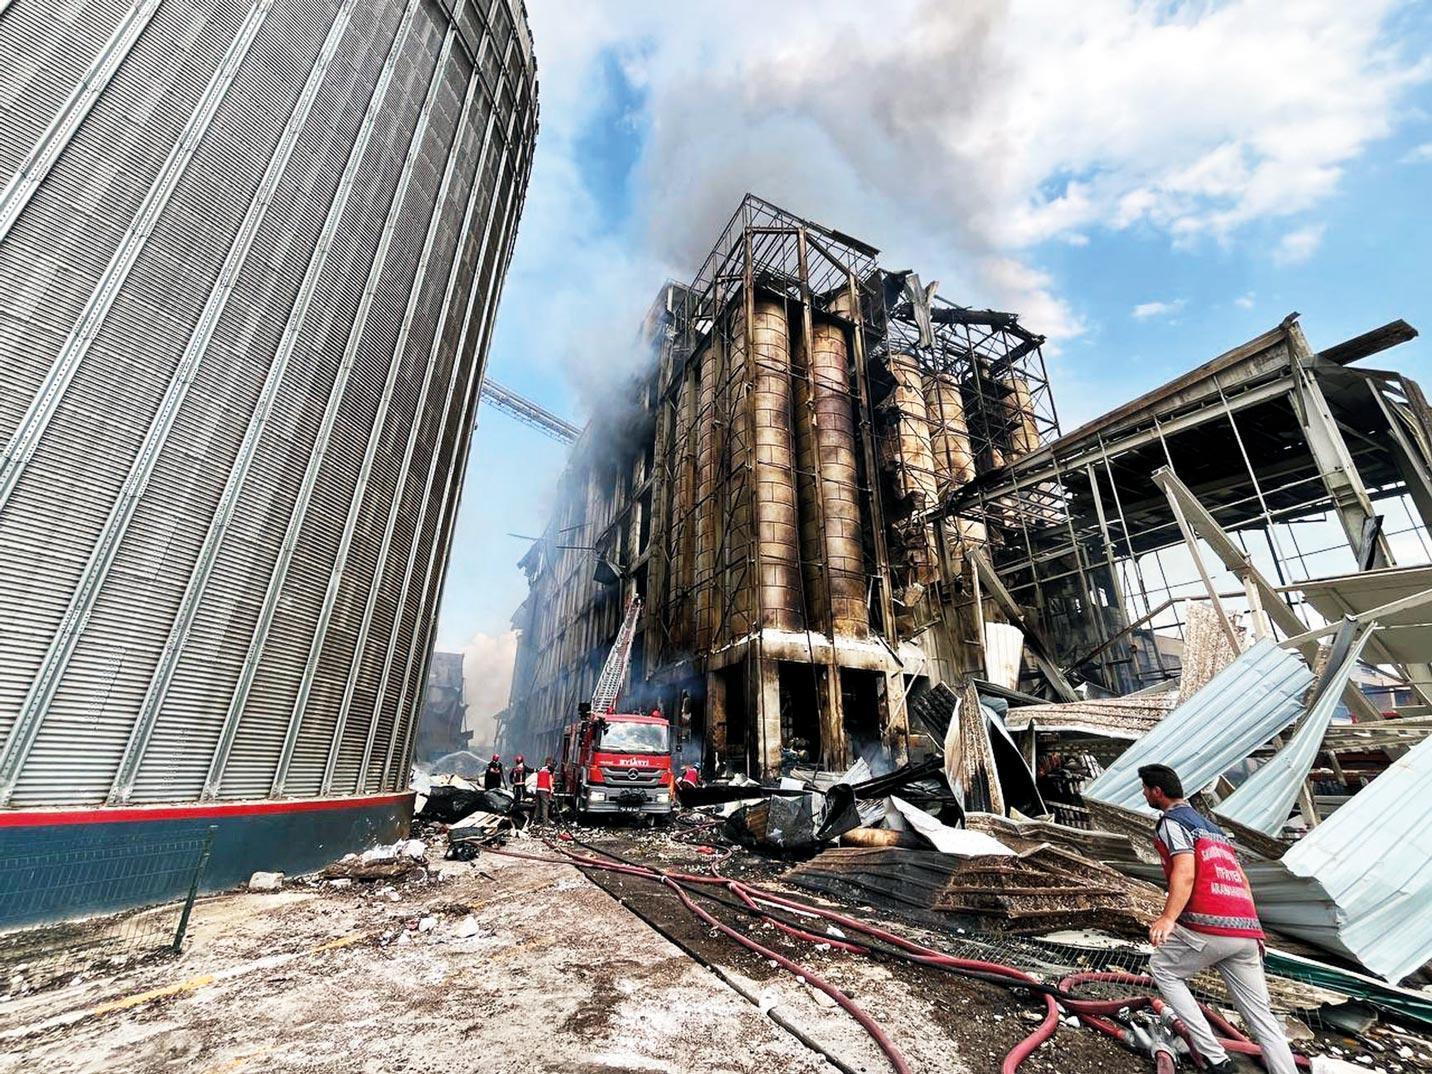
(543,812)
(518,778)
(690,776)
(492,778)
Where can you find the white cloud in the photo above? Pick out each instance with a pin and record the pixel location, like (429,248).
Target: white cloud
(1144,310)
(956,137)
(1244,301)
(1298,246)
(1418,154)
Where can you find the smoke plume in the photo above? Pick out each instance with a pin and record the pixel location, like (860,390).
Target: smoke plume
(487,679)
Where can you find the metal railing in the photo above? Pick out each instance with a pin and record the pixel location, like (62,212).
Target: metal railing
(101,903)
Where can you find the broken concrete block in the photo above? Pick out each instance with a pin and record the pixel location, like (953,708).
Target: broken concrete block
(427,924)
(341,882)
(413,848)
(379,854)
(467,927)
(266,882)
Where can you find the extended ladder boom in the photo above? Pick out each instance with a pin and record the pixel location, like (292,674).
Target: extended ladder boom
(609,686)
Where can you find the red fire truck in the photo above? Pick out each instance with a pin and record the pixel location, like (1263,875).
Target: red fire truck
(617,763)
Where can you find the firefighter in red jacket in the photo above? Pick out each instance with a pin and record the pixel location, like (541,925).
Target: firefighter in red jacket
(690,777)
(543,813)
(1208,920)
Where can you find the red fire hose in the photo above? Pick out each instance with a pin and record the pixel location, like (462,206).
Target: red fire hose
(1090,1011)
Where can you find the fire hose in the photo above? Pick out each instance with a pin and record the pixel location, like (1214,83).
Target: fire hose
(1156,1038)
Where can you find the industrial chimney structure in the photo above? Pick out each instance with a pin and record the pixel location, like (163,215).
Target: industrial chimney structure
(767,495)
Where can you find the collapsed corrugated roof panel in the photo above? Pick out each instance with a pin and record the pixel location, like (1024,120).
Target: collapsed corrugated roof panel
(1405,636)
(1113,717)
(1374,859)
(1265,798)
(1244,705)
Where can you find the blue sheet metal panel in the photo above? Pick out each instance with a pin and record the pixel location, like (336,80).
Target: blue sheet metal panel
(1266,797)
(1242,707)
(1374,859)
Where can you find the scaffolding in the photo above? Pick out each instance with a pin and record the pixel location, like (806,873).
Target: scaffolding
(1314,467)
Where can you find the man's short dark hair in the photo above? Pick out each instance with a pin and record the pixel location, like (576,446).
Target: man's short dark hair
(1162,777)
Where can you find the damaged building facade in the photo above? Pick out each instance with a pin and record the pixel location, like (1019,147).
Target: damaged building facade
(856,527)
(769,494)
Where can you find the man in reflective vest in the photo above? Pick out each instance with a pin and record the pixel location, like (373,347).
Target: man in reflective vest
(543,794)
(1208,920)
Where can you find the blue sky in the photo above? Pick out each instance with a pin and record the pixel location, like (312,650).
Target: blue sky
(1147,184)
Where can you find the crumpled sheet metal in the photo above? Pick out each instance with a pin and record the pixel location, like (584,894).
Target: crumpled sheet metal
(1244,705)
(1265,798)
(1373,858)
(1112,717)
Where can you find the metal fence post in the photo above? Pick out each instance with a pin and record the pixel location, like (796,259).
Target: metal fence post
(194,888)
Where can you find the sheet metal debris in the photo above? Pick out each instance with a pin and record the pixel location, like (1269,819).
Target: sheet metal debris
(1265,798)
(1111,717)
(1050,888)
(1373,858)
(1241,708)
(1405,636)
(949,840)
(777,824)
(1032,892)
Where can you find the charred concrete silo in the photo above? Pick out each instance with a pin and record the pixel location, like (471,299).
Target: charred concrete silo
(807,420)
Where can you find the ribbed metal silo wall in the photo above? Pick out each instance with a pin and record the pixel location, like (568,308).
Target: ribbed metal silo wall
(681,516)
(949,436)
(370,605)
(378,384)
(777,529)
(839,488)
(412,648)
(48,50)
(400,659)
(189,704)
(196,495)
(289,449)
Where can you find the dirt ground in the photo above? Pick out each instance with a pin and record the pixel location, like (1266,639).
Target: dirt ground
(513,965)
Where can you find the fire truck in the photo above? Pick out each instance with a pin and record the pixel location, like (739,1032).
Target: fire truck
(618,763)
(613,762)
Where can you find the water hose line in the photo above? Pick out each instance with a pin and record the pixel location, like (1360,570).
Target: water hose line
(759,901)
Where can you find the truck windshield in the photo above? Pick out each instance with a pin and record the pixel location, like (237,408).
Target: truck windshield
(634,738)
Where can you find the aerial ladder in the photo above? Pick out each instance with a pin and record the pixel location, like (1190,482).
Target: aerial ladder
(528,412)
(609,685)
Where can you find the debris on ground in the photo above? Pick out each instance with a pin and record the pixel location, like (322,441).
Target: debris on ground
(266,882)
(389,862)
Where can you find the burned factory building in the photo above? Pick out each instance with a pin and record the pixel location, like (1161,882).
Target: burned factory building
(831,489)
(767,495)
